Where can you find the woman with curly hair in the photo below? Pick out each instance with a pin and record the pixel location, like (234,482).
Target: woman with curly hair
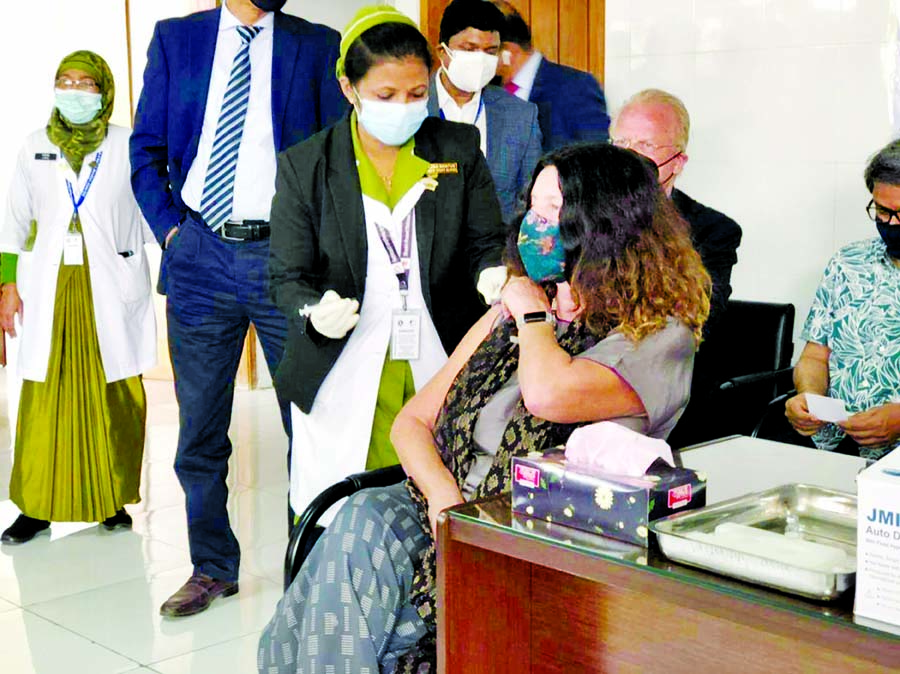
(613,339)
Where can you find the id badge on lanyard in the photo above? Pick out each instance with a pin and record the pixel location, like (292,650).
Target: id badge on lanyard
(73,248)
(406,334)
(406,323)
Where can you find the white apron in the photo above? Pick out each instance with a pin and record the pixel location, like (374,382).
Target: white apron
(114,234)
(332,441)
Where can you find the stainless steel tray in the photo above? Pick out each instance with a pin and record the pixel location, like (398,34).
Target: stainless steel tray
(800,512)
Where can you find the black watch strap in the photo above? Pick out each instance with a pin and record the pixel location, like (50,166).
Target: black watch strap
(536,317)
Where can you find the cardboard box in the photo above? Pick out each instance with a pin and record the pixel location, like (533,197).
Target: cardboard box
(878,541)
(611,505)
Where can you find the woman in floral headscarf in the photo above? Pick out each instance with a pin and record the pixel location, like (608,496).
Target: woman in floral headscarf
(76,291)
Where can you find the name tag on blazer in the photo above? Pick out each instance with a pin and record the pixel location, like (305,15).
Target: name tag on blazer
(441,168)
(45,156)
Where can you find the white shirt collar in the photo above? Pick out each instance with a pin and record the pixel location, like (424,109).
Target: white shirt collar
(228,20)
(525,77)
(452,111)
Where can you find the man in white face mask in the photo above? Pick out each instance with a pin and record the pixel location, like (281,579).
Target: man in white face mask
(510,134)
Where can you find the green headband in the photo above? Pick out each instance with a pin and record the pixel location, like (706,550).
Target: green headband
(366,18)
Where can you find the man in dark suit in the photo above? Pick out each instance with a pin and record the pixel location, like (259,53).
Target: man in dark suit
(508,127)
(656,124)
(224,90)
(571,104)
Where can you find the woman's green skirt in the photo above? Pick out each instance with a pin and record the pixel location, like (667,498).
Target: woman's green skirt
(79,440)
(394,389)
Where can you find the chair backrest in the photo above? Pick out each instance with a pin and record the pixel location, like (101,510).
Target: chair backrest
(306,530)
(755,337)
(737,373)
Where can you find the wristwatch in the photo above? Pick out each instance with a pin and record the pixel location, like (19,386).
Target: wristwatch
(536,317)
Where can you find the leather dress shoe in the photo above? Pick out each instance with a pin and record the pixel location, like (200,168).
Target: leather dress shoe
(196,595)
(121,520)
(23,530)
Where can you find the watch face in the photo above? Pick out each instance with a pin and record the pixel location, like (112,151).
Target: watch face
(535,317)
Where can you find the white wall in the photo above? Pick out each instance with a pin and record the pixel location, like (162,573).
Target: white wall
(337,13)
(409,7)
(334,13)
(788,99)
(144,14)
(39,35)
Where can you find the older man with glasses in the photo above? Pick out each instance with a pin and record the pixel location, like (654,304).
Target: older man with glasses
(852,333)
(656,124)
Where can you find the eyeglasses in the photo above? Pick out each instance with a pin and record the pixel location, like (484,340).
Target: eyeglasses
(81,85)
(882,214)
(641,146)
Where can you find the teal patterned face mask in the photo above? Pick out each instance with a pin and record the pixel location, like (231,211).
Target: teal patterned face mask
(541,249)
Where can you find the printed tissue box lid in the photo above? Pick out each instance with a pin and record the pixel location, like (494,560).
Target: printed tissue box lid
(612,505)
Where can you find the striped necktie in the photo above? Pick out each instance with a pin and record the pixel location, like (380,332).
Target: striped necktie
(218,190)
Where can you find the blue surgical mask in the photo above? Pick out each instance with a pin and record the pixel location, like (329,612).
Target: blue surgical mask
(79,107)
(391,123)
(541,249)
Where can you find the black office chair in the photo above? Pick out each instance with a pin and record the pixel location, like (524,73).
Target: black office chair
(773,424)
(306,531)
(738,372)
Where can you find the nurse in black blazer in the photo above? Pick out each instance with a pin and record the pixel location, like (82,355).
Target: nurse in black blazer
(381,226)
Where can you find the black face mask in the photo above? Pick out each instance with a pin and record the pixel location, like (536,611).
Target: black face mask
(269,5)
(890,234)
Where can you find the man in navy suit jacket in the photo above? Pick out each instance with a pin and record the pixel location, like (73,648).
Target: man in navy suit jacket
(571,104)
(214,271)
(508,127)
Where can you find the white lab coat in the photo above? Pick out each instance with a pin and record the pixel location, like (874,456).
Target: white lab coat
(332,441)
(112,224)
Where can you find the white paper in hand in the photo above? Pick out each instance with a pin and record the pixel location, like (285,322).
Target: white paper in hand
(826,409)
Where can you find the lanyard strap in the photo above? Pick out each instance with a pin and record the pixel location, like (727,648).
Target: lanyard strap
(400,262)
(87,185)
(477,112)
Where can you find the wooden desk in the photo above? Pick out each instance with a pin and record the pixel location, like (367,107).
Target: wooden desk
(520,597)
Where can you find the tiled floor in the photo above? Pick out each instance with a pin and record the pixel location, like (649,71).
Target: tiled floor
(85,600)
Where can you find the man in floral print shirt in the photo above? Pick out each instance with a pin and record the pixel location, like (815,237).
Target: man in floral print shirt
(853,330)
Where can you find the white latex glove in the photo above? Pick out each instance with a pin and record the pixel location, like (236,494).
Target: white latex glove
(490,283)
(334,316)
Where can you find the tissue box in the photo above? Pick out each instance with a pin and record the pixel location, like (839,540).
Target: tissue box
(878,541)
(543,486)
(608,547)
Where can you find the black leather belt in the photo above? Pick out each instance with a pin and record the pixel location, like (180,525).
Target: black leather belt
(247,230)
